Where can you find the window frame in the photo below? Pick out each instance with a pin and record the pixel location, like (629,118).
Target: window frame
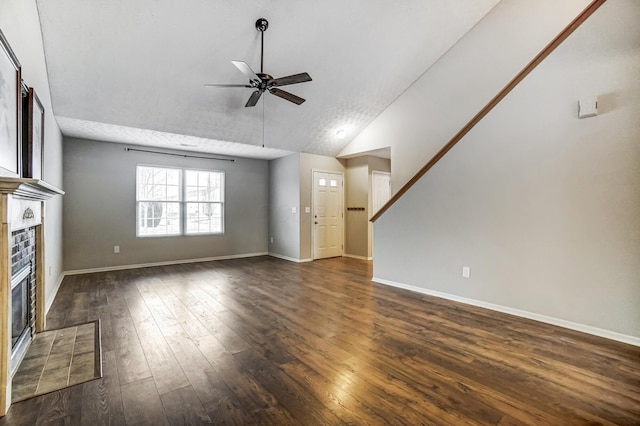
(182,202)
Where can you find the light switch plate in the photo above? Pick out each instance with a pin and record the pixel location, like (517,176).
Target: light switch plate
(466,272)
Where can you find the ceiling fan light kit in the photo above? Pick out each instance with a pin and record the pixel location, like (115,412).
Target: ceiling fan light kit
(262,82)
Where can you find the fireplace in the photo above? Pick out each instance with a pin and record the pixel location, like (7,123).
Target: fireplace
(22,278)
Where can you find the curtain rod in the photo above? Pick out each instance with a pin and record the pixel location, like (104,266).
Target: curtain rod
(180,155)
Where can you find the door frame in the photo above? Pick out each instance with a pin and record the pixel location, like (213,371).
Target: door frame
(313,209)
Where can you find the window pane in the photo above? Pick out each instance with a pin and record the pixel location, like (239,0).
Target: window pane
(173,178)
(333,183)
(204,218)
(173,193)
(156,183)
(156,218)
(322,182)
(204,186)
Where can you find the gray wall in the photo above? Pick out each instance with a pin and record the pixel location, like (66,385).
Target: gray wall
(20,24)
(284,190)
(542,206)
(99,209)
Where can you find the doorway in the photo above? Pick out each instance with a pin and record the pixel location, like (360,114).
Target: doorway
(380,189)
(328,217)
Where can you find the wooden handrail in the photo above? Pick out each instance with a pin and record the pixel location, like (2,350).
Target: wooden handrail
(566,32)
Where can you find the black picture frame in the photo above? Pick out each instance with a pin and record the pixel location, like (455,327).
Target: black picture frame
(10,111)
(33,136)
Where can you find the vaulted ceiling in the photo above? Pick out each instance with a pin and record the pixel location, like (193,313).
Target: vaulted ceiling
(134,71)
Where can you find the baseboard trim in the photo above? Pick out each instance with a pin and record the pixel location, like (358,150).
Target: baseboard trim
(355,256)
(290,259)
(164,263)
(52,295)
(612,335)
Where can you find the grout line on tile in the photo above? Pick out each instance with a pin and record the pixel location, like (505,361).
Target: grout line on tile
(47,360)
(73,350)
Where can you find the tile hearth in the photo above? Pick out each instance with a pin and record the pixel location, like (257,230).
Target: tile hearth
(57,359)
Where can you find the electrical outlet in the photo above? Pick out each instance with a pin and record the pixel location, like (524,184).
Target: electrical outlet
(271,239)
(466,272)
(294,210)
(116,249)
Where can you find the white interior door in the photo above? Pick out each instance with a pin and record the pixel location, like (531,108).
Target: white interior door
(327,215)
(380,189)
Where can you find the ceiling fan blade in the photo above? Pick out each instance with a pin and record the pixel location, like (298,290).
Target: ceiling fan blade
(286,95)
(253,100)
(228,85)
(246,70)
(290,79)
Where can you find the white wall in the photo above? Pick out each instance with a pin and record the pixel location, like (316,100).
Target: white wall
(20,24)
(100,209)
(424,118)
(544,207)
(284,194)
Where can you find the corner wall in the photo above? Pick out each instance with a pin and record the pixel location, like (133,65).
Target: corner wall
(358,187)
(284,194)
(20,24)
(542,206)
(100,209)
(430,112)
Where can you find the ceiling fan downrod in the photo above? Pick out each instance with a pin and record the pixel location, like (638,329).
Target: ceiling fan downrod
(262,25)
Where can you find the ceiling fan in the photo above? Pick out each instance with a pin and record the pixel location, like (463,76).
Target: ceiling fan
(262,82)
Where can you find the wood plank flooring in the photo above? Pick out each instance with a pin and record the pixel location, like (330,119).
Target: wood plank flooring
(265,341)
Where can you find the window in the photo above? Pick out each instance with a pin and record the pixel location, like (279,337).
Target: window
(173,201)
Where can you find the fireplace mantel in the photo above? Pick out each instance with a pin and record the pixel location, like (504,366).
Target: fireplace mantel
(28,189)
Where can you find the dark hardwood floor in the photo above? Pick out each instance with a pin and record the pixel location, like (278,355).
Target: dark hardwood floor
(265,341)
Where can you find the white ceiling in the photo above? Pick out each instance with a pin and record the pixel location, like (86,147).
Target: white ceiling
(134,71)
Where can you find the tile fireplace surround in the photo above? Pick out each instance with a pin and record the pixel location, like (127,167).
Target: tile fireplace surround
(22,204)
